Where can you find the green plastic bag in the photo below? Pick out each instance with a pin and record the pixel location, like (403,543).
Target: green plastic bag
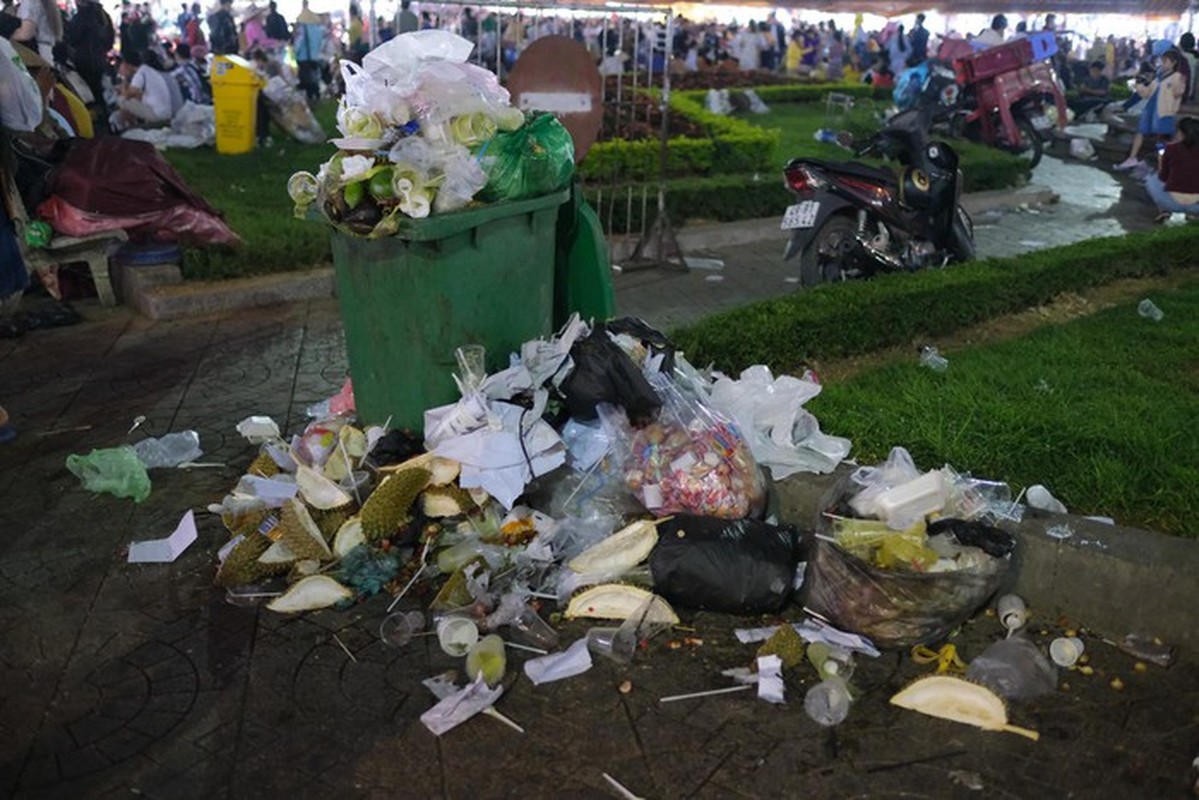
(116,470)
(535,159)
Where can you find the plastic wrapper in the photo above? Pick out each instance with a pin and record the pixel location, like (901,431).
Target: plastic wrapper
(1014,668)
(897,608)
(117,471)
(737,567)
(533,160)
(690,460)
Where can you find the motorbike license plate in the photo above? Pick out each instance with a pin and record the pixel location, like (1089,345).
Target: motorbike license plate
(801,215)
(1041,122)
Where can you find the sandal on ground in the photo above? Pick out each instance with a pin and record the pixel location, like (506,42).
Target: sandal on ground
(1162,218)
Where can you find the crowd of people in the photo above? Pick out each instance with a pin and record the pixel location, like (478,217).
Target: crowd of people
(138,71)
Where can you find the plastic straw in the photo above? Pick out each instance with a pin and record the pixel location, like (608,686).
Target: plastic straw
(415,575)
(530,649)
(693,695)
(621,790)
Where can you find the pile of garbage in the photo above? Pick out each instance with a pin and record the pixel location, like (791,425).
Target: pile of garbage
(600,476)
(423,131)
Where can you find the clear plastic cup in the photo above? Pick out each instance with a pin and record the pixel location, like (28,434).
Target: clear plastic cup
(617,644)
(456,635)
(398,629)
(827,703)
(1065,651)
(529,628)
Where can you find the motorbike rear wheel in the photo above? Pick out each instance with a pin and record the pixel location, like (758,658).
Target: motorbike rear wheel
(1031,145)
(821,261)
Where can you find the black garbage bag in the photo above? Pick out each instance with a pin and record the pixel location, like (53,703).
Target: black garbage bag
(971,533)
(603,373)
(735,566)
(654,340)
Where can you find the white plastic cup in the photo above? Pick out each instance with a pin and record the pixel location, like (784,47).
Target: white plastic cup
(398,629)
(827,703)
(456,635)
(1065,651)
(1011,611)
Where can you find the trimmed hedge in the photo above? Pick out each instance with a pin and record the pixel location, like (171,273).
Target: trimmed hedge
(801,92)
(733,146)
(854,317)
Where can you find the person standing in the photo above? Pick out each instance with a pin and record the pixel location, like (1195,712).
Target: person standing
(898,51)
(90,35)
(222,30)
(193,34)
(405,20)
(309,40)
(276,25)
(918,39)
(357,35)
(40,28)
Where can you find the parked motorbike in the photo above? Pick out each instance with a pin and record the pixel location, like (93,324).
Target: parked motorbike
(855,220)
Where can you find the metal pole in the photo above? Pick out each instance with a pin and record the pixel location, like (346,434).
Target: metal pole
(649,79)
(636,70)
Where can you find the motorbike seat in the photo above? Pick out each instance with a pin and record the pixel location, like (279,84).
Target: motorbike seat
(857,169)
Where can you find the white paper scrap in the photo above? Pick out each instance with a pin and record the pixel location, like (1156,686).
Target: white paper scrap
(460,706)
(574,660)
(770,679)
(164,551)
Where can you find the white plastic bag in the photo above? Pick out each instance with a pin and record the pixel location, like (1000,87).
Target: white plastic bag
(780,433)
(1082,149)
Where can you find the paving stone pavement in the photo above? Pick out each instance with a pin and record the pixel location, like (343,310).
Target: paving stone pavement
(119,679)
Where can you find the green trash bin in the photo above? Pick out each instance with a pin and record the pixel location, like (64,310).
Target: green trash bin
(478,276)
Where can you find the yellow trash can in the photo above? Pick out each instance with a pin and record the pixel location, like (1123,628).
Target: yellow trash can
(235,87)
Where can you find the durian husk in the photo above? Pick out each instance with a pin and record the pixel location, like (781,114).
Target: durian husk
(786,644)
(958,700)
(313,592)
(241,565)
(620,552)
(320,492)
(302,569)
(618,601)
(348,536)
(244,524)
(299,532)
(438,502)
(389,504)
(329,521)
(263,466)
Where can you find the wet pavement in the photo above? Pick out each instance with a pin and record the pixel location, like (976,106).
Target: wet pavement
(119,679)
(1094,202)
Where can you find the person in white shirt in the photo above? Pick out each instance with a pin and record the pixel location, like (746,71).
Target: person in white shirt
(145,97)
(994,34)
(41,26)
(21,105)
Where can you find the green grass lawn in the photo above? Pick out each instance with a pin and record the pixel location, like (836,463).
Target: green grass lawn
(251,191)
(1101,410)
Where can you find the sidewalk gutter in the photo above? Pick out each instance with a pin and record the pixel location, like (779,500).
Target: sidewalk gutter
(1110,579)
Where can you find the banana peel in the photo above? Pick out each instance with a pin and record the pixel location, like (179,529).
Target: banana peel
(959,700)
(619,601)
(620,552)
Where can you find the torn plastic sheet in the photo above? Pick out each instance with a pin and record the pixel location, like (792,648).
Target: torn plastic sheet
(812,630)
(575,660)
(456,708)
(510,447)
(781,434)
(770,679)
(259,429)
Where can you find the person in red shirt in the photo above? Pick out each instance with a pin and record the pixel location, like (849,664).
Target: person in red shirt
(1175,187)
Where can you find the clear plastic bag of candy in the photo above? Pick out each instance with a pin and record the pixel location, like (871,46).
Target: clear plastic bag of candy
(690,459)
